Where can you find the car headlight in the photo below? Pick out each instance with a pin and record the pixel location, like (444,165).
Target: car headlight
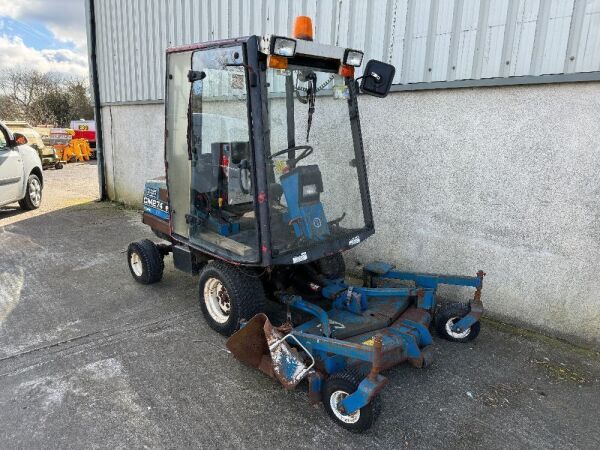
(282,46)
(353,57)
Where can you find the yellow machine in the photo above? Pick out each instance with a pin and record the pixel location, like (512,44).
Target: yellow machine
(75,150)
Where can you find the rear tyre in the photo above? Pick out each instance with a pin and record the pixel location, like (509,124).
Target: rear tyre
(33,194)
(145,261)
(336,388)
(229,295)
(447,316)
(332,266)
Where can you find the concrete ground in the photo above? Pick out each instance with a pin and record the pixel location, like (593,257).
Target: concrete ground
(91,359)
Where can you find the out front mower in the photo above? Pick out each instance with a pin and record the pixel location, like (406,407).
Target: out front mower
(265,187)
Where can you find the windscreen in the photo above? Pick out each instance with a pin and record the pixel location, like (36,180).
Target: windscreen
(314,190)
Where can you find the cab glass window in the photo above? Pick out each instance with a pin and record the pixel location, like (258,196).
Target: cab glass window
(222,213)
(314,190)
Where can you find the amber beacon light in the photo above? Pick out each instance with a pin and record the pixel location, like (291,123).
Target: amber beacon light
(303,28)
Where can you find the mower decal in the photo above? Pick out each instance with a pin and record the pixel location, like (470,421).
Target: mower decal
(154,205)
(355,240)
(301,257)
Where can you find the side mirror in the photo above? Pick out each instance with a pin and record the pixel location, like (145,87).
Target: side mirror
(19,139)
(377,78)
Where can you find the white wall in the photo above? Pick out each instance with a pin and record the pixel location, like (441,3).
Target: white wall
(503,179)
(134,149)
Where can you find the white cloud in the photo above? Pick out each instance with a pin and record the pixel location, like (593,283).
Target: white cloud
(13,52)
(64,18)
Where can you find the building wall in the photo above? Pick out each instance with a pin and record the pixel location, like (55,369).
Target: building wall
(503,179)
(427,41)
(133,149)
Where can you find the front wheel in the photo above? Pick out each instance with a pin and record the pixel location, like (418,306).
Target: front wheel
(332,266)
(339,386)
(229,295)
(447,316)
(33,194)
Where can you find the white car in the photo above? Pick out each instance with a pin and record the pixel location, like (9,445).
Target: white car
(21,177)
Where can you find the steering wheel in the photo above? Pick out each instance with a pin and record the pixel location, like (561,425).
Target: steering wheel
(306,151)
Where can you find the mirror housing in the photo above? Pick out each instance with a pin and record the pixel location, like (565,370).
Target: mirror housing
(377,78)
(19,139)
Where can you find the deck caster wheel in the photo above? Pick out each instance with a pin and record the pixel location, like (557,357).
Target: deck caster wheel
(58,166)
(145,261)
(337,387)
(229,295)
(447,316)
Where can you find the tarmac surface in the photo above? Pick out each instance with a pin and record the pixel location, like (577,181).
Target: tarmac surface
(91,359)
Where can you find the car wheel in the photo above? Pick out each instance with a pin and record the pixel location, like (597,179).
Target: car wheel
(33,194)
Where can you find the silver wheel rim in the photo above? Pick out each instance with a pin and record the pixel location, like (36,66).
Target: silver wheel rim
(35,191)
(136,264)
(335,400)
(455,334)
(217,301)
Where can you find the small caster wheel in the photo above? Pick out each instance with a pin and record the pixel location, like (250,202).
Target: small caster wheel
(58,166)
(145,261)
(447,316)
(339,386)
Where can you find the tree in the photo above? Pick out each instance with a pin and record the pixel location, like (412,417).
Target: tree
(38,98)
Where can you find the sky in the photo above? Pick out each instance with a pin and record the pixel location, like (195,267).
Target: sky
(47,35)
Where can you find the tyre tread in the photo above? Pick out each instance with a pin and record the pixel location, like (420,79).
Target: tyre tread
(152,261)
(448,310)
(246,289)
(352,376)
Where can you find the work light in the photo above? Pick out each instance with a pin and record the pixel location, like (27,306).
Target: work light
(309,190)
(282,46)
(353,57)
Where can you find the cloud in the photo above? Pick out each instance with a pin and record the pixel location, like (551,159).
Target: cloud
(64,18)
(13,52)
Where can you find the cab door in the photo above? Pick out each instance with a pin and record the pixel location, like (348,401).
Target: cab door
(222,211)
(11,170)
(210,166)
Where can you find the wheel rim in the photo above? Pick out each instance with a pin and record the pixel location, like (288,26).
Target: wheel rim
(136,264)
(334,401)
(217,300)
(455,334)
(35,191)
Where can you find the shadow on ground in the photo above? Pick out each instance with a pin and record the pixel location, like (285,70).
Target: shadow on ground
(89,358)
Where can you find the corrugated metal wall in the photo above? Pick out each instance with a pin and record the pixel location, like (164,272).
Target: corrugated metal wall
(427,40)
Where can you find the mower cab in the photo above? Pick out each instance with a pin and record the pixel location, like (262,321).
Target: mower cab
(264,158)
(265,187)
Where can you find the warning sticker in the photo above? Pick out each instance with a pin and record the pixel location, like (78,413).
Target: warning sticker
(369,342)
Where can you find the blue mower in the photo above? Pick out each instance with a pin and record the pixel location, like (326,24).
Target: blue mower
(265,188)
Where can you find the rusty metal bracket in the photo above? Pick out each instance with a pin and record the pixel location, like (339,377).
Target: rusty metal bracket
(475,307)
